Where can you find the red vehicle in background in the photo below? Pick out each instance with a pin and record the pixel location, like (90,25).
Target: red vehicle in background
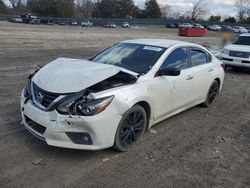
(106,25)
(109,25)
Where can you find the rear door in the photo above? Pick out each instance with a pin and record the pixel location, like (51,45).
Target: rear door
(203,71)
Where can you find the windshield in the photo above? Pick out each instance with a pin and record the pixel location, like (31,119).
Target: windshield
(134,57)
(241,40)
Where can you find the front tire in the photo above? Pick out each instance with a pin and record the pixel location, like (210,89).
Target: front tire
(131,128)
(212,94)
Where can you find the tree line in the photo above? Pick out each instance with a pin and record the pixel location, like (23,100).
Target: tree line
(86,9)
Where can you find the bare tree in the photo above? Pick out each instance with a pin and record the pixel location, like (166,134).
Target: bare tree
(176,14)
(15,3)
(85,7)
(166,11)
(243,8)
(199,9)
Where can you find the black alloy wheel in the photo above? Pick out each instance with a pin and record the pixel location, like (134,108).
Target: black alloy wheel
(212,93)
(131,128)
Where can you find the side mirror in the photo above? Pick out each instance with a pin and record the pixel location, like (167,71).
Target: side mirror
(169,72)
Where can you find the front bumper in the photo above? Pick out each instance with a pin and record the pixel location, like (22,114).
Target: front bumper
(235,61)
(53,127)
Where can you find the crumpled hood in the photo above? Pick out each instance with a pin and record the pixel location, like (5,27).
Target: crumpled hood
(239,48)
(72,75)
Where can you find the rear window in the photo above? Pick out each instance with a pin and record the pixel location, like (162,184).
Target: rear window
(198,57)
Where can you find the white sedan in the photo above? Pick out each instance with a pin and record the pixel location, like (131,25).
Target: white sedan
(237,54)
(186,25)
(215,28)
(238,29)
(112,98)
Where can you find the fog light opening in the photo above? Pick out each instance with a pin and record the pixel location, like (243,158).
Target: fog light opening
(80,138)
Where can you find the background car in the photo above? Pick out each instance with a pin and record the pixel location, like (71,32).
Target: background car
(109,25)
(125,25)
(74,23)
(198,26)
(206,26)
(34,20)
(106,25)
(112,25)
(177,25)
(16,19)
(87,24)
(227,28)
(214,28)
(29,18)
(239,29)
(186,25)
(62,22)
(237,54)
(51,22)
(171,25)
(248,29)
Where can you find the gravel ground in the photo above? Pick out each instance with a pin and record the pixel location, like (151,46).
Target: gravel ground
(198,148)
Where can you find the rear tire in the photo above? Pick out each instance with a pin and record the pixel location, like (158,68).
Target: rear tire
(131,128)
(212,94)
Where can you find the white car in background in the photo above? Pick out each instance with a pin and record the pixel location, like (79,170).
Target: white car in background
(214,28)
(125,25)
(112,98)
(238,29)
(198,26)
(112,25)
(237,54)
(16,19)
(87,24)
(185,25)
(74,23)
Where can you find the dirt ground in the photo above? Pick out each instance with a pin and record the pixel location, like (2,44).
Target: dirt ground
(201,147)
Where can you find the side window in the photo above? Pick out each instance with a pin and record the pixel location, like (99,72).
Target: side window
(198,57)
(177,59)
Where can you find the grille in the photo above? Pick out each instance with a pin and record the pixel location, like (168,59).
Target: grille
(43,97)
(239,54)
(35,126)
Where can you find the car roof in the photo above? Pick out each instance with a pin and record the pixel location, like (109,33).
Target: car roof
(159,42)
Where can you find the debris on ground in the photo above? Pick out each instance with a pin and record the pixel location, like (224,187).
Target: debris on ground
(152,131)
(106,159)
(37,161)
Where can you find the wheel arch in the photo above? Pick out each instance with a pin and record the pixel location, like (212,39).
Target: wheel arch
(147,108)
(218,80)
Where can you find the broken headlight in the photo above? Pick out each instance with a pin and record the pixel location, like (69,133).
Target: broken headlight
(27,89)
(83,106)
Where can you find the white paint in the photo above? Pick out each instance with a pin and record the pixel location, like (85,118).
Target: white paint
(166,95)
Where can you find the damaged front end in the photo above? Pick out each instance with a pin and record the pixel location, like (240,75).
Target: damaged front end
(77,103)
(61,101)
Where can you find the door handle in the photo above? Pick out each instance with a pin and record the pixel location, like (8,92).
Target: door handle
(210,70)
(190,77)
